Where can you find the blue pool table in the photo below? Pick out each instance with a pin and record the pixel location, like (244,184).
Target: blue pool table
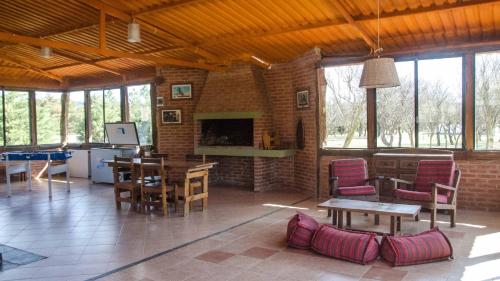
(12,167)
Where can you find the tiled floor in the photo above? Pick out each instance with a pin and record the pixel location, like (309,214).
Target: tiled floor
(240,237)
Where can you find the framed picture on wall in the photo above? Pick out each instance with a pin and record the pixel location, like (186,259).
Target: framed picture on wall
(181,91)
(159,101)
(171,116)
(303,99)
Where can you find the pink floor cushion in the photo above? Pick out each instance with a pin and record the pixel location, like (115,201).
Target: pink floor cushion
(354,246)
(300,231)
(425,247)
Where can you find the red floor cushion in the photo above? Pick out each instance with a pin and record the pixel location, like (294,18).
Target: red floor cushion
(419,196)
(356,190)
(354,246)
(300,231)
(428,246)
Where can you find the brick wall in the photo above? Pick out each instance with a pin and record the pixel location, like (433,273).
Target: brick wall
(177,139)
(234,171)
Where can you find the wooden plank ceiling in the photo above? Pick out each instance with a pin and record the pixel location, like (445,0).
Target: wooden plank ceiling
(213,33)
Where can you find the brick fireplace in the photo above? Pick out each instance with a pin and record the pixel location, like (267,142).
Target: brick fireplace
(237,96)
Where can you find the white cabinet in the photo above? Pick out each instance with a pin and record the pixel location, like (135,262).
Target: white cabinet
(79,164)
(100,172)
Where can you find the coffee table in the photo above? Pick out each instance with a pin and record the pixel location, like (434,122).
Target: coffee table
(395,211)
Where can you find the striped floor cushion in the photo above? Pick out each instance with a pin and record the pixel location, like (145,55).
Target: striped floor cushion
(300,231)
(354,246)
(428,246)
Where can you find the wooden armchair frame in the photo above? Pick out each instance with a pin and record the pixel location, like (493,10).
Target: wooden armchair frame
(131,186)
(433,205)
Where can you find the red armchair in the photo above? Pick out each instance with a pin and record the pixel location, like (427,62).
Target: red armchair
(348,179)
(435,188)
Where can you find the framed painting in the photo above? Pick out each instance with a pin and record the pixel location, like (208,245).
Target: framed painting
(303,99)
(181,91)
(171,116)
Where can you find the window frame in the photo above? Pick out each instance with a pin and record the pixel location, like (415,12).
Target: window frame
(36,121)
(31,112)
(88,118)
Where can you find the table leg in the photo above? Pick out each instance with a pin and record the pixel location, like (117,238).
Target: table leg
(334,217)
(393,225)
(67,176)
(398,224)
(9,187)
(377,219)
(49,173)
(28,174)
(348,219)
(340,219)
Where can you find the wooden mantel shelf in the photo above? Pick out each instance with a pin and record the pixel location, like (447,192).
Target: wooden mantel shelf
(243,151)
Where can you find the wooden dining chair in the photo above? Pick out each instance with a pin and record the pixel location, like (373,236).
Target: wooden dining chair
(125,181)
(195,188)
(154,192)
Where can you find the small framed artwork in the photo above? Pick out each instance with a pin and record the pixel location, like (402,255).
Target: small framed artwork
(171,116)
(181,91)
(303,99)
(159,101)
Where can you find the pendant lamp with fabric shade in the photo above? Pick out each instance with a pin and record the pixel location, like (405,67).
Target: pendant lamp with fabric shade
(379,72)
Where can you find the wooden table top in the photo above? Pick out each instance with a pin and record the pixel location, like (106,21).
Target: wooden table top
(391,209)
(168,163)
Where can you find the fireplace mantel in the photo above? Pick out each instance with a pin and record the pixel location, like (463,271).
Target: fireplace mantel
(243,151)
(227,115)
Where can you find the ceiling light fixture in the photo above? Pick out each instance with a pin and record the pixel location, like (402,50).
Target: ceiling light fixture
(379,72)
(46,52)
(134,32)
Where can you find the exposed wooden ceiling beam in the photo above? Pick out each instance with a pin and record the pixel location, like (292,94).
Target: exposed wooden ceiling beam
(81,61)
(31,68)
(14,38)
(358,19)
(356,25)
(152,28)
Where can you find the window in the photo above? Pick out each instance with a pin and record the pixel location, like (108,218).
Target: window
(112,105)
(440,103)
(97,116)
(17,118)
(345,102)
(139,100)
(396,110)
(487,101)
(76,117)
(48,117)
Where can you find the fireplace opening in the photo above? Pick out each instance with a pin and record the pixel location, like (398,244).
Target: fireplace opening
(228,132)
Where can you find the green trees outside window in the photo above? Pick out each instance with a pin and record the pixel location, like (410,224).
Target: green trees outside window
(17,118)
(76,117)
(487,101)
(139,100)
(97,116)
(48,117)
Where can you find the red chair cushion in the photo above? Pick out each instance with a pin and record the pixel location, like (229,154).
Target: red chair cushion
(428,246)
(434,171)
(419,196)
(300,231)
(351,172)
(354,246)
(356,190)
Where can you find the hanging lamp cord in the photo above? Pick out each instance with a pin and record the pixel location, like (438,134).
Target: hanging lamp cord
(379,50)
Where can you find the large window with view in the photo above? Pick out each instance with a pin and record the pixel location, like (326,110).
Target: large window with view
(345,107)
(17,117)
(97,116)
(487,101)
(48,117)
(396,110)
(139,100)
(440,103)
(76,117)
